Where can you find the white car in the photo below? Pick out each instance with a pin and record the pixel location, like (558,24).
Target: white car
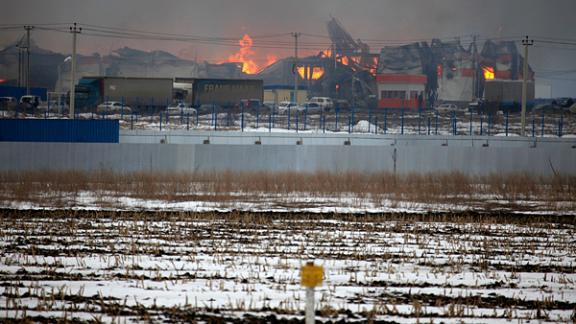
(113,107)
(324,102)
(284,106)
(447,107)
(180,108)
(30,100)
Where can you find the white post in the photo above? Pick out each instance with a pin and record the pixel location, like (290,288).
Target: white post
(74,30)
(310,305)
(310,277)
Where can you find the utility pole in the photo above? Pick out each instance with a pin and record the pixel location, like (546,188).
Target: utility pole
(19,64)
(475,78)
(74,30)
(28,29)
(296,35)
(334,55)
(525,42)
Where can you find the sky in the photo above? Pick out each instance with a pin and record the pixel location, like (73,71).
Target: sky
(376,21)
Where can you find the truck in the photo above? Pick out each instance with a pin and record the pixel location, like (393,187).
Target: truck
(142,94)
(225,93)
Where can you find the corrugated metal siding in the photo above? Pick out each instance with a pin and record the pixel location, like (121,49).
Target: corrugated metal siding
(59,130)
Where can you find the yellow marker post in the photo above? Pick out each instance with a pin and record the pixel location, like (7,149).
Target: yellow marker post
(310,277)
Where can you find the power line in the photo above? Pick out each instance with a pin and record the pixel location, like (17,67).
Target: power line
(86,26)
(556,42)
(175,36)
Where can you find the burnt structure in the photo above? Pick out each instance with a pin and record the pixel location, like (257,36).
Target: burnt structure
(345,71)
(445,72)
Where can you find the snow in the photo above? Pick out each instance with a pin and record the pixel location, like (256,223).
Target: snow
(209,263)
(297,202)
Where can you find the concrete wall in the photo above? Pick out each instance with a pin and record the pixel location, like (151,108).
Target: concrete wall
(142,151)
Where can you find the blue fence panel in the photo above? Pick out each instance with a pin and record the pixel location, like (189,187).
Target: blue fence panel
(59,130)
(17,92)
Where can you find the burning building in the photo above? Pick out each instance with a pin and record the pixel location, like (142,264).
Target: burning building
(344,71)
(401,77)
(420,75)
(247,57)
(456,71)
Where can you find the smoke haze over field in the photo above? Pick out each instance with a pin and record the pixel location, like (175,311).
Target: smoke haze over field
(365,19)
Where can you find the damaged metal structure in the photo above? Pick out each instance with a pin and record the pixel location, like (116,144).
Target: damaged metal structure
(413,76)
(344,72)
(421,76)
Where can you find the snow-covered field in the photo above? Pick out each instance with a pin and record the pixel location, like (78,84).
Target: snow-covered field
(104,266)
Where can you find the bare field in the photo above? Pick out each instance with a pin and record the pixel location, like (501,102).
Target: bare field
(280,192)
(244,267)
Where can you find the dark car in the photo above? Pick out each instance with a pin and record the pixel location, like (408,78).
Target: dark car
(208,109)
(310,108)
(565,102)
(7,103)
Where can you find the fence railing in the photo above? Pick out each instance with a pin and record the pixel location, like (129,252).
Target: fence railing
(376,121)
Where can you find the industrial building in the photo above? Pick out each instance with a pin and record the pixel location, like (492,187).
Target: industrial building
(421,76)
(400,77)
(413,76)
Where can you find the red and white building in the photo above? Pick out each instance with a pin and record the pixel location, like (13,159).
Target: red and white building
(400,80)
(401,90)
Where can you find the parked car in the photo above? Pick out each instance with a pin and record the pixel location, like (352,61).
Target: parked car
(251,105)
(446,107)
(324,102)
(113,107)
(180,108)
(341,105)
(310,108)
(7,103)
(565,102)
(209,108)
(30,102)
(269,103)
(284,106)
(34,101)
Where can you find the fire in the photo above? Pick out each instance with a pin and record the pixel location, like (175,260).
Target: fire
(271,59)
(244,55)
(326,53)
(313,74)
(488,73)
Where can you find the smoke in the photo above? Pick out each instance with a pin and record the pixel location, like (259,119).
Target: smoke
(364,19)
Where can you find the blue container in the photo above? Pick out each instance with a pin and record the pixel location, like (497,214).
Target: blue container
(59,130)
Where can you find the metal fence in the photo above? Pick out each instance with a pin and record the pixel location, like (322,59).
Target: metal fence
(377,121)
(59,130)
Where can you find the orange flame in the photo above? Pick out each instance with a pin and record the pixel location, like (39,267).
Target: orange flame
(313,74)
(326,53)
(488,73)
(246,56)
(271,59)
